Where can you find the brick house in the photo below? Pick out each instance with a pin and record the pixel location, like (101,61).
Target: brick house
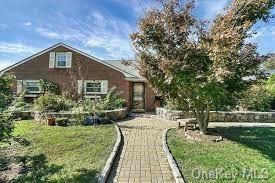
(80,73)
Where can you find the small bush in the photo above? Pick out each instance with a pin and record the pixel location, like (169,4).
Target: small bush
(62,121)
(257,98)
(19,105)
(50,87)
(6,126)
(113,100)
(6,92)
(110,102)
(53,103)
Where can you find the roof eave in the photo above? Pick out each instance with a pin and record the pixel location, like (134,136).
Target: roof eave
(135,79)
(66,46)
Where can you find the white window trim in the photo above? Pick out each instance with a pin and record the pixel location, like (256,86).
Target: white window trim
(92,81)
(32,92)
(56,61)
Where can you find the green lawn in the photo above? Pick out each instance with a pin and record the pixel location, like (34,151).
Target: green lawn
(246,155)
(59,154)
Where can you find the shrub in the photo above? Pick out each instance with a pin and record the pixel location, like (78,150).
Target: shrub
(53,103)
(19,104)
(78,116)
(271,83)
(113,100)
(6,126)
(62,121)
(6,92)
(257,98)
(50,87)
(110,102)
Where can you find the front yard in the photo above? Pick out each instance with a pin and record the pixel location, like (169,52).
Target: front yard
(56,154)
(246,155)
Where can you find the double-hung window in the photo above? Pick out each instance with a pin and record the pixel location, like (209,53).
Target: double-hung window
(32,86)
(93,87)
(61,60)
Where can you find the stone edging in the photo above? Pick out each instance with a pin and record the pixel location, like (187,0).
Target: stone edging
(107,168)
(175,170)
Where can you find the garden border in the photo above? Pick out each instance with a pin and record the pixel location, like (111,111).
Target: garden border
(107,168)
(219,116)
(175,170)
(113,115)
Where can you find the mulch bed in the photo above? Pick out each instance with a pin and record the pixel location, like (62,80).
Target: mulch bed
(197,136)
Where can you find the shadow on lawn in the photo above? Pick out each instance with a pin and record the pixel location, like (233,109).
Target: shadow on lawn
(83,175)
(259,138)
(37,169)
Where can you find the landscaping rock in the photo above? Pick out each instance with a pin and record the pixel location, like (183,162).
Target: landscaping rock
(220,116)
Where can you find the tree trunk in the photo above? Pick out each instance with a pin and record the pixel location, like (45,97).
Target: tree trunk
(202,115)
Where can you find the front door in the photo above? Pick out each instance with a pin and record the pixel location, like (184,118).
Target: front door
(138,97)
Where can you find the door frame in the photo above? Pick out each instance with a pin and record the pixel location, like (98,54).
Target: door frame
(132,96)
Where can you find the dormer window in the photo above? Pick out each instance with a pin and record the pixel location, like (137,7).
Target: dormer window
(61,60)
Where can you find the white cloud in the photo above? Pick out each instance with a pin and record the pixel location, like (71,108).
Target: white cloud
(28,23)
(260,32)
(5,63)
(96,31)
(56,34)
(138,6)
(16,48)
(117,47)
(211,8)
(267,31)
(48,33)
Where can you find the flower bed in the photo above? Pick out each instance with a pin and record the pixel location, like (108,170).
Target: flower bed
(116,114)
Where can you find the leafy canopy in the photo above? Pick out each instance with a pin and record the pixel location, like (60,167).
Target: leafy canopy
(195,63)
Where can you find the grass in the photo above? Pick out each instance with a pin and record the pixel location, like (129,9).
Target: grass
(246,155)
(59,154)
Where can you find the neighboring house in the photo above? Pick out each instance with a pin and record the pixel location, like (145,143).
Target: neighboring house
(81,74)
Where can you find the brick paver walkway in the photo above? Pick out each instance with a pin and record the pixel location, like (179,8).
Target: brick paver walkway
(142,158)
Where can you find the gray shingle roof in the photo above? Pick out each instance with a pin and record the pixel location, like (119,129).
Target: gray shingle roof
(129,71)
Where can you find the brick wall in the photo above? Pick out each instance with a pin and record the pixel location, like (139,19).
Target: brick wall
(82,68)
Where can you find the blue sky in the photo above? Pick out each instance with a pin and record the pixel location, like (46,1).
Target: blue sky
(98,27)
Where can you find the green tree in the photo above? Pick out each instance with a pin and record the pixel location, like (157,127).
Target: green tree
(260,96)
(6,125)
(269,64)
(197,65)
(6,93)
(257,98)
